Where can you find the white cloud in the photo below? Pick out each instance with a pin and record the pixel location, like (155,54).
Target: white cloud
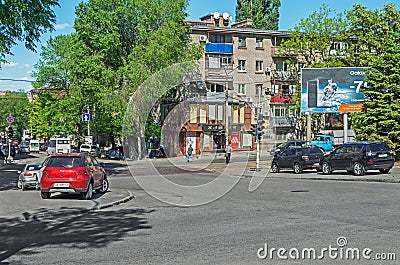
(15,65)
(62,26)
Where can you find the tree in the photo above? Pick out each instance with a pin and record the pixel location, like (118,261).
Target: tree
(14,104)
(263,13)
(116,47)
(377,44)
(24,21)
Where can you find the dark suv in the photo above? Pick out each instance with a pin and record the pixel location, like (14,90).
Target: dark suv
(297,158)
(358,157)
(73,173)
(283,146)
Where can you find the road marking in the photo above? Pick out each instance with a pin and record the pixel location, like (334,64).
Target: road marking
(10,170)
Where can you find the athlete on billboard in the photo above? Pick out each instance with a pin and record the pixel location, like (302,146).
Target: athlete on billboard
(329,91)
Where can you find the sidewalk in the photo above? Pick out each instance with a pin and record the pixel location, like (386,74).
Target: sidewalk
(245,161)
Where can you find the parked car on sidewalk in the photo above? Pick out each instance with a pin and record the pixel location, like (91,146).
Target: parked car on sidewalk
(73,173)
(30,176)
(297,158)
(359,157)
(116,153)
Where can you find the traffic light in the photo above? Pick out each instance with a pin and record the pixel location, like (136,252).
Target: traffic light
(260,129)
(10,132)
(254,129)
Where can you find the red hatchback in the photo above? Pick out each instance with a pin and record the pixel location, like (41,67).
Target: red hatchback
(73,173)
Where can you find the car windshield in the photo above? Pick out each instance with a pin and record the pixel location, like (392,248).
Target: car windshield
(33,167)
(65,161)
(378,147)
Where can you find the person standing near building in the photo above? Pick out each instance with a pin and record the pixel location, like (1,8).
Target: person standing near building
(189,153)
(228,153)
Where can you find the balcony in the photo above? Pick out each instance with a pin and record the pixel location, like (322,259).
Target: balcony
(281,99)
(219,47)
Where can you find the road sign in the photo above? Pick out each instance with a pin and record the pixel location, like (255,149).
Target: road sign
(86,117)
(10,119)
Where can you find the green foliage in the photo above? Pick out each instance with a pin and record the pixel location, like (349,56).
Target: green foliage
(263,13)
(14,104)
(24,21)
(116,47)
(378,44)
(311,40)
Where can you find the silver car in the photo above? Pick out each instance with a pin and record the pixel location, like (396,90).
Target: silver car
(30,176)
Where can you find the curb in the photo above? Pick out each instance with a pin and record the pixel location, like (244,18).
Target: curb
(110,204)
(339,179)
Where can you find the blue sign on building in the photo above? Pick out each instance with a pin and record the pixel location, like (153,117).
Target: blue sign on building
(86,117)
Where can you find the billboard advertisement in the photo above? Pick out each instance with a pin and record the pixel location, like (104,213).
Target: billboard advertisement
(336,89)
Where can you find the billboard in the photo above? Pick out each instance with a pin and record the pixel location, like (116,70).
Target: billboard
(336,89)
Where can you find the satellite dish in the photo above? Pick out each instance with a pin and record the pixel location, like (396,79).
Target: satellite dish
(225,15)
(216,15)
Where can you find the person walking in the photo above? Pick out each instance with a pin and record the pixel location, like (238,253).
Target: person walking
(189,153)
(228,153)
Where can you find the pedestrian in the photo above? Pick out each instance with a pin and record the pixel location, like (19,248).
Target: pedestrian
(228,153)
(189,153)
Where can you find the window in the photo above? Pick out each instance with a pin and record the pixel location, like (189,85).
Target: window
(219,61)
(247,139)
(203,113)
(236,114)
(242,89)
(259,89)
(241,114)
(242,42)
(211,114)
(193,113)
(220,116)
(259,43)
(242,65)
(259,66)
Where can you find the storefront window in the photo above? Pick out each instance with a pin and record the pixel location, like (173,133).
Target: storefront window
(206,141)
(247,139)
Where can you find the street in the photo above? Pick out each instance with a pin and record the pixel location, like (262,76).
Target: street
(283,212)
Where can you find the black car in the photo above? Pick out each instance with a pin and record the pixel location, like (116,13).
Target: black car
(297,158)
(358,157)
(283,146)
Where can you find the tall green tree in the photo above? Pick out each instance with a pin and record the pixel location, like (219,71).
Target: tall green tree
(377,45)
(24,21)
(263,13)
(116,47)
(14,104)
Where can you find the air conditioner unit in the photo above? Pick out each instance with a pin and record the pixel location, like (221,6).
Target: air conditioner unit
(203,38)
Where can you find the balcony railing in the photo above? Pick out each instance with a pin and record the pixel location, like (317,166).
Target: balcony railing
(219,47)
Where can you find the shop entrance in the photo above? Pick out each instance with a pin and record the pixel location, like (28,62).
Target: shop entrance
(219,141)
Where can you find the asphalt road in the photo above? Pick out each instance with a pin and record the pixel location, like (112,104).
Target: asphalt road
(282,213)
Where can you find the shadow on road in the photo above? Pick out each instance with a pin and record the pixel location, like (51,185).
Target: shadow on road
(67,227)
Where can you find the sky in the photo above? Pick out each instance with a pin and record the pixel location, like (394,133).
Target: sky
(21,64)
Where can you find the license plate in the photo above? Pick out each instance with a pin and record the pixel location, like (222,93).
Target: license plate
(382,155)
(61,185)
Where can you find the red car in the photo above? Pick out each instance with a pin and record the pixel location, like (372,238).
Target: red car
(73,173)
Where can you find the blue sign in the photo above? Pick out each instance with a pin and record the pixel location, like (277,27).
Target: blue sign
(10,119)
(86,117)
(332,89)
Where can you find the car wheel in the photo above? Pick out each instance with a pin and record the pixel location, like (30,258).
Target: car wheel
(274,168)
(326,168)
(19,184)
(45,195)
(384,170)
(104,186)
(89,192)
(358,169)
(297,168)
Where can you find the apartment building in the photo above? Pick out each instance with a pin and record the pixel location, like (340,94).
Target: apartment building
(247,62)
